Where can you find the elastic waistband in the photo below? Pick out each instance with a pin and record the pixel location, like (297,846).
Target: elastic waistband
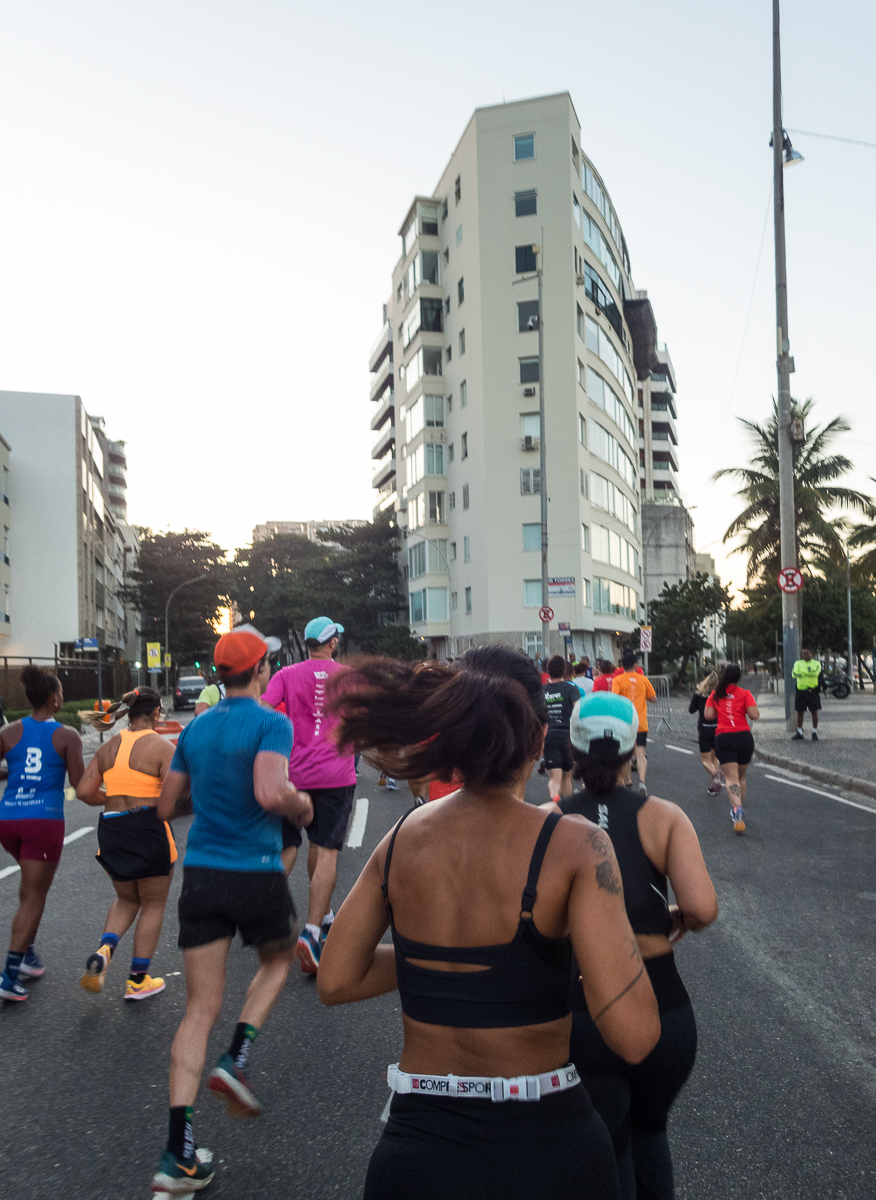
(483,1087)
(126,812)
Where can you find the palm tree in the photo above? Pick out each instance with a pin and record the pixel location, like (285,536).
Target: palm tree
(863,537)
(816,493)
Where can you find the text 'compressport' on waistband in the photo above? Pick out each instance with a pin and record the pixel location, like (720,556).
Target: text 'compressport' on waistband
(483,1087)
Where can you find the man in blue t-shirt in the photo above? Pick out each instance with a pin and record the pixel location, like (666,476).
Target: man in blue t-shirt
(235,761)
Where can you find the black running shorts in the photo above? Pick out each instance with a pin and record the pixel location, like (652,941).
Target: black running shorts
(642,737)
(707,739)
(331,816)
(215,904)
(735,747)
(807,699)
(557,751)
(135,845)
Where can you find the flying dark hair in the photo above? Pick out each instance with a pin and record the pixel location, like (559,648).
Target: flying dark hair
(503,662)
(39,684)
(434,719)
(132,705)
(731,674)
(598,768)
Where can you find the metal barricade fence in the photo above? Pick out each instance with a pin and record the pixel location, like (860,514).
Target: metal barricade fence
(660,709)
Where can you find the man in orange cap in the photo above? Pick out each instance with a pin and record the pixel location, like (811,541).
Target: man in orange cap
(234,759)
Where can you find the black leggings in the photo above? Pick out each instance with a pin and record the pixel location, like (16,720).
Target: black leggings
(634,1101)
(435,1147)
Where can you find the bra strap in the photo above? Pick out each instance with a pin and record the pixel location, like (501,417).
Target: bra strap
(531,890)
(384,887)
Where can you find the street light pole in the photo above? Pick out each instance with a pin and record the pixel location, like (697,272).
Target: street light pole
(787,515)
(849,618)
(185,583)
(542,461)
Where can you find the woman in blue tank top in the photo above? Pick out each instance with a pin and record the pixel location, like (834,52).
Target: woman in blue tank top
(39,752)
(482,942)
(654,842)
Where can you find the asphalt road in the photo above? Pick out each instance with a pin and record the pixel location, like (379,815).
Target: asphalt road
(781,1105)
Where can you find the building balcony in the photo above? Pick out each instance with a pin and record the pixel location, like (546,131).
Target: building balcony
(381,347)
(384,441)
(383,379)
(665,477)
(665,452)
(385,411)
(663,428)
(385,471)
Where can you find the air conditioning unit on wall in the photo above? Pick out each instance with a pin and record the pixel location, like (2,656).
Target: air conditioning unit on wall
(529,391)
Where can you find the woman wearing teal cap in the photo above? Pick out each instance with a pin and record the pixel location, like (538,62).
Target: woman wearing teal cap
(654,842)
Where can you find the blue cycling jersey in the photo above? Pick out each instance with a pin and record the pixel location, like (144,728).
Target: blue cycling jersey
(35,789)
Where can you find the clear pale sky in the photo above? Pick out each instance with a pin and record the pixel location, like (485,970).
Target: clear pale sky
(200,204)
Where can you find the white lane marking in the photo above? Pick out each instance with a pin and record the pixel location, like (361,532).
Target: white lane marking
(680,749)
(384,1116)
(360,818)
(9,871)
(819,792)
(78,833)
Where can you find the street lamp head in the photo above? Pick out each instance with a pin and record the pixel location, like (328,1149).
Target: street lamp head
(790,156)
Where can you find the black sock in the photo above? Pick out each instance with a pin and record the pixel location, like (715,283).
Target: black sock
(244,1036)
(180,1138)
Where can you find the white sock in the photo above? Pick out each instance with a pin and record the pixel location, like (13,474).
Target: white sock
(328,918)
(314,929)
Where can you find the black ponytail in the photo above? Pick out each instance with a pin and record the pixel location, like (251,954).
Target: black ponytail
(731,674)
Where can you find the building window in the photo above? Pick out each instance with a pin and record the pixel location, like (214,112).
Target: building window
(609,449)
(611,548)
(604,396)
(464,446)
(611,597)
(461,342)
(532,537)
(433,408)
(446,256)
(465,496)
(588,594)
(525,203)
(466,549)
(417,606)
(532,593)
(448,353)
(447,307)
(582,430)
(417,560)
(459,235)
(463,394)
(450,452)
(457,190)
(524,259)
(453,551)
(529,370)
(585,538)
(436,508)
(451,501)
(530,425)
(434,458)
(585,485)
(530,481)
(460,291)
(454,599)
(468,599)
(532,644)
(436,603)
(524,146)
(598,341)
(527,316)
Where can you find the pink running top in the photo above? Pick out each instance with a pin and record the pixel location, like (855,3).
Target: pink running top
(315,761)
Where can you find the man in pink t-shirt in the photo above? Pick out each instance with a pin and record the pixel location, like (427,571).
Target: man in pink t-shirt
(331,778)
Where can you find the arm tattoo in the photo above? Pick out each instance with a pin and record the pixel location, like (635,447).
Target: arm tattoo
(599,1016)
(607,880)
(599,842)
(634,948)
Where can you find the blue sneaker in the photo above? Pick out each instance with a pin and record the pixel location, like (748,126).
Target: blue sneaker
(324,930)
(308,951)
(31,965)
(231,1085)
(181,1177)
(12,989)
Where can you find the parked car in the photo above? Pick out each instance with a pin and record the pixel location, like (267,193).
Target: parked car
(187,690)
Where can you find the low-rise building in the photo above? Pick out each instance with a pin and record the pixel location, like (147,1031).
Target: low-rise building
(307,529)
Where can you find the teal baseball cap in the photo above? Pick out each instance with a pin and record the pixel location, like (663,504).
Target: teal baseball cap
(604,716)
(322,630)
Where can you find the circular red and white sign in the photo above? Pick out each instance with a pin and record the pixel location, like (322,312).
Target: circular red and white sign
(545,614)
(790,579)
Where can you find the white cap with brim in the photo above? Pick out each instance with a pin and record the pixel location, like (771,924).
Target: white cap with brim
(604,716)
(273,643)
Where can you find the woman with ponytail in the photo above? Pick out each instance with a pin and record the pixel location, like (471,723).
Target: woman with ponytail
(482,942)
(732,707)
(39,752)
(135,849)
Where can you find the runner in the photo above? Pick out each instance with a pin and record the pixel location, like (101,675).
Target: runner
(581,679)
(234,762)
(472,1037)
(654,842)
(209,697)
(135,849)
(329,777)
(706,733)
(807,692)
(605,675)
(635,686)
(560,696)
(39,752)
(733,707)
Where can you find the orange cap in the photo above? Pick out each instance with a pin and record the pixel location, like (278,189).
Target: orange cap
(237,652)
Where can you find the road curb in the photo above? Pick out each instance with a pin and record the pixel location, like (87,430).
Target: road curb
(848,782)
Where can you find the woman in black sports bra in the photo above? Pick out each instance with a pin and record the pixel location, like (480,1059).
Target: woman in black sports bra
(486,898)
(654,842)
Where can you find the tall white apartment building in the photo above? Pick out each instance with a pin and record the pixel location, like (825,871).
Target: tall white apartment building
(455,383)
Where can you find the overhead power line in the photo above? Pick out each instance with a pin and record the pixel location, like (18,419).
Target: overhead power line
(831,137)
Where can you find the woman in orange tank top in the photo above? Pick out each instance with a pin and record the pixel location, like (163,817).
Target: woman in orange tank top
(135,849)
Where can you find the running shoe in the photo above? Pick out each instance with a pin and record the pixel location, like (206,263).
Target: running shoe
(324,929)
(10,990)
(737,815)
(391,785)
(31,965)
(814,736)
(720,778)
(642,788)
(95,969)
(714,788)
(381,782)
(229,1082)
(798,736)
(307,952)
(142,991)
(542,768)
(175,1177)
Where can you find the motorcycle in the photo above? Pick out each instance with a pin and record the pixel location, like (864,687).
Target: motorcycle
(838,684)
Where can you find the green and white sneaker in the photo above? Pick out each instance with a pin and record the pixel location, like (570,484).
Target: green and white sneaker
(178,1177)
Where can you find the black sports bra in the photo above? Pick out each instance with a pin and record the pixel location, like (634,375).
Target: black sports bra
(527,980)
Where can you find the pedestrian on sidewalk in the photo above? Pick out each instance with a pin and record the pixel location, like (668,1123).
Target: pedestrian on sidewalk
(807,692)
(733,707)
(635,686)
(328,775)
(706,732)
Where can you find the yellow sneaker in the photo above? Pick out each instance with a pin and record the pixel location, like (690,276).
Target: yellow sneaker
(95,969)
(142,991)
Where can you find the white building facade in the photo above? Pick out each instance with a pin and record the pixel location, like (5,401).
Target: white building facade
(455,384)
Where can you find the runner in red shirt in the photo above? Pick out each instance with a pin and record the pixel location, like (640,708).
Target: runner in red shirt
(734,742)
(606,673)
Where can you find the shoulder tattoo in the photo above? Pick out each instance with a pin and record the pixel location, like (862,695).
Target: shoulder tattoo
(608,879)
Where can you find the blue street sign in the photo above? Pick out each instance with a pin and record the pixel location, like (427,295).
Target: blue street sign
(85,644)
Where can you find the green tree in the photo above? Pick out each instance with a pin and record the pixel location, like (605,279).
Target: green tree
(863,539)
(678,618)
(817,492)
(166,560)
